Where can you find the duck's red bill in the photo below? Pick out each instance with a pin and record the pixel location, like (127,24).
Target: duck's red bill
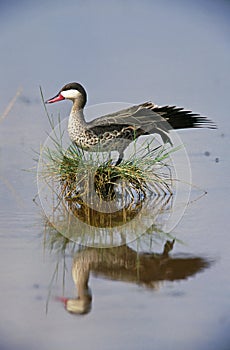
(55,99)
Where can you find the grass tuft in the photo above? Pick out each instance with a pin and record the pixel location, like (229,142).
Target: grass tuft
(134,176)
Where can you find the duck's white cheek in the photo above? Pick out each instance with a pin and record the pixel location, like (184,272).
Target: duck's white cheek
(71,94)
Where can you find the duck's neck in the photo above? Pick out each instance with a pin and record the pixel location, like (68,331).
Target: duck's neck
(80,274)
(77,112)
(77,118)
(76,124)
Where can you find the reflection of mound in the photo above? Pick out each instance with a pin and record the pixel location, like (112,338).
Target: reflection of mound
(79,222)
(95,218)
(110,219)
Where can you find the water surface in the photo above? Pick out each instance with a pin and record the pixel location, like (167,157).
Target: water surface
(122,52)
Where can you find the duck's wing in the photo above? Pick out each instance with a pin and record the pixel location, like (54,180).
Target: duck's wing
(148,113)
(140,118)
(136,115)
(147,119)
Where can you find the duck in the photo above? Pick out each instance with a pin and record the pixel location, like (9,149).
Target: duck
(115,131)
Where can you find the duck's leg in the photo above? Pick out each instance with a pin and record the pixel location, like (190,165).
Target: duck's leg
(120,158)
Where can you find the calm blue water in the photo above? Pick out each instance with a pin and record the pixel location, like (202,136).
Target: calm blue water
(170,53)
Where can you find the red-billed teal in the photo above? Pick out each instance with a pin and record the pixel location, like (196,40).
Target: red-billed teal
(115,131)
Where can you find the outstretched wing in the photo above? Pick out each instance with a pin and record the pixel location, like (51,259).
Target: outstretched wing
(135,115)
(141,119)
(150,113)
(148,118)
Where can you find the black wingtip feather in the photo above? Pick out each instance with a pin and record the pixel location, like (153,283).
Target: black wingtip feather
(180,118)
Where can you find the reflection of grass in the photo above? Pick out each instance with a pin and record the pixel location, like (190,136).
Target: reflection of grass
(88,226)
(62,246)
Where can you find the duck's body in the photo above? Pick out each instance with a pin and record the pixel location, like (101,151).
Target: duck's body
(115,131)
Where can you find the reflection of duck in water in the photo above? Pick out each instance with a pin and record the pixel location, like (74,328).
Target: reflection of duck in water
(81,304)
(124,264)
